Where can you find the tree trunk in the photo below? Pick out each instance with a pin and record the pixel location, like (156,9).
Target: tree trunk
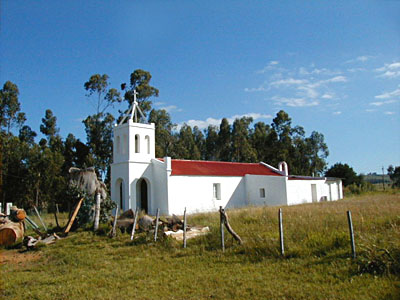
(97,212)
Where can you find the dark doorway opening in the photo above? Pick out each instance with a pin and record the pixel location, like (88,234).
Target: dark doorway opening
(143,196)
(121,196)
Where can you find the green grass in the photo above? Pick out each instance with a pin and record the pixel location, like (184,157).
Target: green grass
(317,263)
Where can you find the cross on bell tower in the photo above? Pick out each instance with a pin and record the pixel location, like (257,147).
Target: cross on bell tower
(132,113)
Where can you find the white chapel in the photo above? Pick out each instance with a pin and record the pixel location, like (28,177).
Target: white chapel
(140,180)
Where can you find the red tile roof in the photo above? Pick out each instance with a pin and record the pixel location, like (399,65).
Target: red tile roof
(219,168)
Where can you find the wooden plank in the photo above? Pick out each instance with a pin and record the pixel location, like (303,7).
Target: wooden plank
(72,219)
(40,218)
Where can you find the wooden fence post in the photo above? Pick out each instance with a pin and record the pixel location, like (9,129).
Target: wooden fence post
(156,230)
(97,212)
(114,229)
(40,218)
(221,219)
(353,246)
(134,223)
(184,228)
(281,232)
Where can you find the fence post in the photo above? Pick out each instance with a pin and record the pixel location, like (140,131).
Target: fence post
(221,219)
(134,223)
(97,213)
(156,230)
(353,246)
(281,232)
(114,229)
(184,228)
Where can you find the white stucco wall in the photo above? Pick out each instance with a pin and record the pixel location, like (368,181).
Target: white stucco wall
(299,191)
(274,187)
(196,193)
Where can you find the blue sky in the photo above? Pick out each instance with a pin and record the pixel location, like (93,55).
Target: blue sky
(334,66)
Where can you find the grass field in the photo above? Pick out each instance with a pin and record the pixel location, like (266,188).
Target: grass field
(317,262)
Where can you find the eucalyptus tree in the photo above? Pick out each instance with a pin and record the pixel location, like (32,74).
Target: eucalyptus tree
(185,147)
(140,83)
(98,127)
(211,142)
(164,138)
(224,143)
(242,150)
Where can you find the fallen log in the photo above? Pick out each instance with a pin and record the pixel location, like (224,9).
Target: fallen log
(11,233)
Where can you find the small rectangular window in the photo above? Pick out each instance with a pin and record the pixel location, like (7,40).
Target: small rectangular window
(262,193)
(217,191)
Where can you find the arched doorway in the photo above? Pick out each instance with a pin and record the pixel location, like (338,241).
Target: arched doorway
(142,195)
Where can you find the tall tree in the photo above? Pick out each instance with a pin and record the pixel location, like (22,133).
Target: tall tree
(99,139)
(140,81)
(211,143)
(394,174)
(224,141)
(10,107)
(242,150)
(98,126)
(344,171)
(105,97)
(186,147)
(163,132)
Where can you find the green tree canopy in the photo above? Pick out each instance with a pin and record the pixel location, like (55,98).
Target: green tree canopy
(345,172)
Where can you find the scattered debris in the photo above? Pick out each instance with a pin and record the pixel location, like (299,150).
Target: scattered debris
(30,242)
(192,233)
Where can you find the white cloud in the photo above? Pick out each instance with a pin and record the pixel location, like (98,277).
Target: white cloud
(362,58)
(380,103)
(259,89)
(308,92)
(289,81)
(389,70)
(295,102)
(203,124)
(327,96)
(390,113)
(336,113)
(168,108)
(271,65)
(370,110)
(395,93)
(336,79)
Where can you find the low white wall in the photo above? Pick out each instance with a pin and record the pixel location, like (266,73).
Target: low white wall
(196,193)
(299,191)
(274,187)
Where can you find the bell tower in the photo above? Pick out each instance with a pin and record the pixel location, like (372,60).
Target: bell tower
(134,148)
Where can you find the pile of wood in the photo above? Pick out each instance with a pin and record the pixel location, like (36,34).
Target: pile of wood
(146,223)
(12,227)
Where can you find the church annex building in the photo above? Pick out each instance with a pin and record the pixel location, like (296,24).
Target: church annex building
(139,180)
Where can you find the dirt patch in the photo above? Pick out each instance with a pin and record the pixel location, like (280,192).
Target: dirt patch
(17,258)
